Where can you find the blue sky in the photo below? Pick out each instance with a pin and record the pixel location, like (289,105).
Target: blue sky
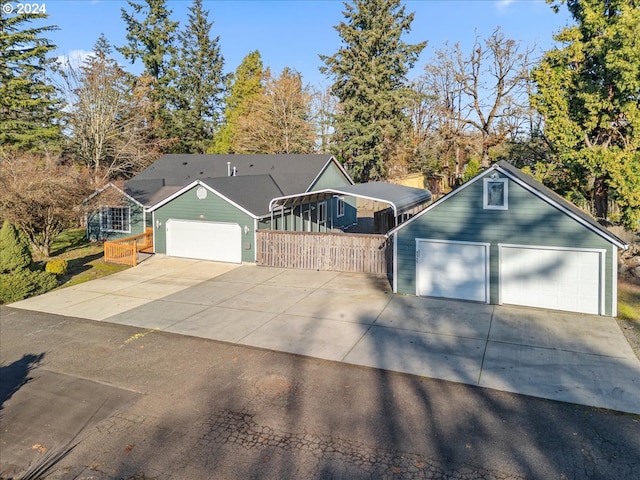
(293,32)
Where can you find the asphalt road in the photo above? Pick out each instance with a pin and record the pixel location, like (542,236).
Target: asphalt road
(145,404)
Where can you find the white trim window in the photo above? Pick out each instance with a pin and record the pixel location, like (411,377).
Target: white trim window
(496,194)
(115,219)
(322,213)
(339,207)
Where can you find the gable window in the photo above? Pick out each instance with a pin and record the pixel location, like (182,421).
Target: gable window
(116,219)
(322,213)
(339,207)
(496,194)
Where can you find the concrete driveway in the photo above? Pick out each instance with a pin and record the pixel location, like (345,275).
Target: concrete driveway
(354,318)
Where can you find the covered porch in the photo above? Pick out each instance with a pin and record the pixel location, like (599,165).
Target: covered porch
(332,210)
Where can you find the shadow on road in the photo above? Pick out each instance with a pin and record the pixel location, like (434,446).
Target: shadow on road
(15,375)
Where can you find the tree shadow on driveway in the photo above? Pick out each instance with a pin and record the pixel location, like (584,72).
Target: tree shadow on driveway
(15,375)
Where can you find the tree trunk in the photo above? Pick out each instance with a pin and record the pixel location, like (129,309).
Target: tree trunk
(484,161)
(600,198)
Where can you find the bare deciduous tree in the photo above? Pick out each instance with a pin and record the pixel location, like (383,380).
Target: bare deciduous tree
(41,196)
(494,87)
(324,106)
(110,117)
(279,119)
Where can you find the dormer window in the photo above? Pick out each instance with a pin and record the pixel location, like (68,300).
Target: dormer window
(496,194)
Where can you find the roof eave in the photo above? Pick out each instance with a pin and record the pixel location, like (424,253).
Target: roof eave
(204,185)
(110,184)
(332,158)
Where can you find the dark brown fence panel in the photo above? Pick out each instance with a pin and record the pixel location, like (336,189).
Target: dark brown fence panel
(342,252)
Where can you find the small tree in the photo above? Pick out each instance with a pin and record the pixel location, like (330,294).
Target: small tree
(17,280)
(15,253)
(41,196)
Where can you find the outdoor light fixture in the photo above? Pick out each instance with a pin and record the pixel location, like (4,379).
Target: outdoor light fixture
(158,223)
(495,176)
(246,229)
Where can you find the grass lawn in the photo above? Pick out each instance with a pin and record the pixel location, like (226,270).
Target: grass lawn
(85,259)
(628,302)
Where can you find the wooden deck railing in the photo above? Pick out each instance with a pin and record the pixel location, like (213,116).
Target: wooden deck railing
(125,251)
(341,252)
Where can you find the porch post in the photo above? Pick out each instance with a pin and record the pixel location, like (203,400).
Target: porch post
(282,218)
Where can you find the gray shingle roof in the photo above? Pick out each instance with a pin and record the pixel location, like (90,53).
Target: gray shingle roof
(292,173)
(400,197)
(262,189)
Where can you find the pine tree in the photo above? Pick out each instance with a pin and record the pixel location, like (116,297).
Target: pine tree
(369,79)
(28,106)
(199,84)
(150,39)
(151,42)
(589,93)
(15,252)
(244,86)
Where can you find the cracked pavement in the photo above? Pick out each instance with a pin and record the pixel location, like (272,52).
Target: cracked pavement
(153,405)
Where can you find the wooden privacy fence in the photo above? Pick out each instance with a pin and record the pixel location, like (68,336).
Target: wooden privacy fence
(342,252)
(125,251)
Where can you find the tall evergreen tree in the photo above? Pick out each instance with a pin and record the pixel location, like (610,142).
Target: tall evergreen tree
(150,33)
(589,94)
(369,79)
(244,86)
(150,38)
(200,84)
(28,104)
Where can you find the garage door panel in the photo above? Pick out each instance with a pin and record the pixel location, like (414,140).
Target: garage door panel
(452,270)
(558,279)
(204,240)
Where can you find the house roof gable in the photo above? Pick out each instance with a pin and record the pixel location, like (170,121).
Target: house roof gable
(119,190)
(250,193)
(291,173)
(536,188)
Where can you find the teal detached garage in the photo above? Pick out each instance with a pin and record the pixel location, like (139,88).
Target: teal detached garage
(504,238)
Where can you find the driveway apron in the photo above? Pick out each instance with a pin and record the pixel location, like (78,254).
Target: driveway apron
(354,318)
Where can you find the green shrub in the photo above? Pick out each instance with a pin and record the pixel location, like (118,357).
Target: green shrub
(57,266)
(25,283)
(15,252)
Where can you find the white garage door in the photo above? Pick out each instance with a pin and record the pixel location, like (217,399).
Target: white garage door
(553,278)
(204,240)
(452,270)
